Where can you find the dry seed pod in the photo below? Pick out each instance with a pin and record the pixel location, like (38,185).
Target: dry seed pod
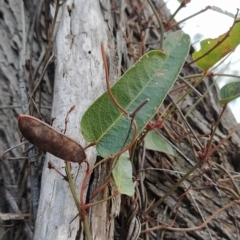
(48,139)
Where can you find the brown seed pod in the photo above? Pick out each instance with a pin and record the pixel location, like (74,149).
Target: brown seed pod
(48,139)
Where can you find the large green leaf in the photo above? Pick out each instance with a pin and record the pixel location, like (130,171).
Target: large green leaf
(229,92)
(151,77)
(228,45)
(122,174)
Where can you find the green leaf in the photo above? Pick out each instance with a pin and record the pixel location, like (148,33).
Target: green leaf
(219,10)
(154,141)
(122,174)
(229,92)
(186,1)
(227,46)
(149,78)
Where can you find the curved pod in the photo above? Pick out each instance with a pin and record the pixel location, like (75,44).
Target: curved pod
(48,139)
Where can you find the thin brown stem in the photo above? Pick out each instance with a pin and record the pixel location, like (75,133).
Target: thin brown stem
(156,204)
(193,15)
(200,227)
(108,84)
(215,128)
(220,143)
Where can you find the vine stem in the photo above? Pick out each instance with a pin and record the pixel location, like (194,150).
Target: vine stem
(211,151)
(81,211)
(187,93)
(231,178)
(193,15)
(231,204)
(107,82)
(156,204)
(182,5)
(205,158)
(161,28)
(215,127)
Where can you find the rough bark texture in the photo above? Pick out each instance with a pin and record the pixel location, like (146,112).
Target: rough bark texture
(79,79)
(127,29)
(23,41)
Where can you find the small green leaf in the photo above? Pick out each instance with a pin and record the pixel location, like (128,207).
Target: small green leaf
(227,46)
(155,142)
(186,1)
(219,10)
(149,78)
(122,174)
(229,92)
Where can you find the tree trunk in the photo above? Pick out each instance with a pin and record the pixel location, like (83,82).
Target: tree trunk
(79,79)
(127,29)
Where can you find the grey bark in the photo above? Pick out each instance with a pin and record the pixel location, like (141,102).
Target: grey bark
(79,78)
(19,57)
